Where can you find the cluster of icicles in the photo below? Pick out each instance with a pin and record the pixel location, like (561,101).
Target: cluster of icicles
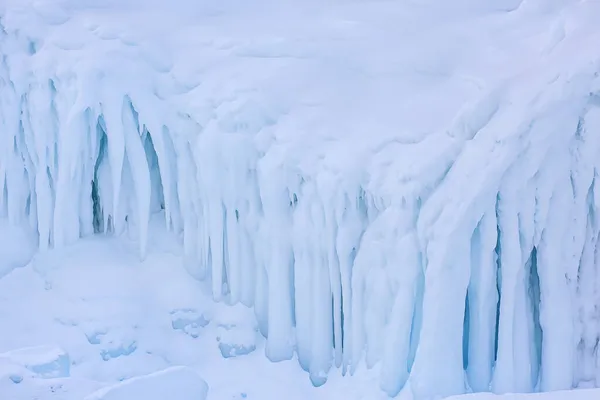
(480,276)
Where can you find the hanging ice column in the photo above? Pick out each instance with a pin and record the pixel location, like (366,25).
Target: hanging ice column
(534,206)
(465,259)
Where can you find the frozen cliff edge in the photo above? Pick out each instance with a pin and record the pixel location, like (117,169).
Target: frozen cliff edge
(401,185)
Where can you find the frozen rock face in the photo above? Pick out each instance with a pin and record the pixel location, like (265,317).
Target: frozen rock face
(405,185)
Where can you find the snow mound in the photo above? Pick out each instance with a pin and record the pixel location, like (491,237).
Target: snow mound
(40,361)
(237,334)
(94,295)
(17,245)
(179,383)
(13,371)
(188,321)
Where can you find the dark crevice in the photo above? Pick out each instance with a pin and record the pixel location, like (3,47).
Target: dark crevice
(416,322)
(225,273)
(534,297)
(158,199)
(342,338)
(498,252)
(332,321)
(98,212)
(466,331)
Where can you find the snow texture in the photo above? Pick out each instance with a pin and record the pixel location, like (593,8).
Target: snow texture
(411,185)
(96,296)
(172,383)
(584,394)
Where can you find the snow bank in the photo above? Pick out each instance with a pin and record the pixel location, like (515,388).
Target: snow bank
(39,361)
(397,184)
(17,246)
(179,383)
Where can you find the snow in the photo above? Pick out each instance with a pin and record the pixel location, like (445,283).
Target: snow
(18,246)
(42,361)
(97,288)
(583,394)
(397,194)
(176,382)
(95,298)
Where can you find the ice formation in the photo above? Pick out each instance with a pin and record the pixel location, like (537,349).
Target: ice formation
(412,186)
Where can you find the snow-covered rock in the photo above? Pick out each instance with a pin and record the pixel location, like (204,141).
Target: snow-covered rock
(12,371)
(188,321)
(178,383)
(236,341)
(39,361)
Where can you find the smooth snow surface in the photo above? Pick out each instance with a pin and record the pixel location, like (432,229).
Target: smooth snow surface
(400,188)
(17,245)
(127,326)
(584,394)
(173,383)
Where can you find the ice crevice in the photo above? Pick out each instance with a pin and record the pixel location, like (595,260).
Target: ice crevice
(463,261)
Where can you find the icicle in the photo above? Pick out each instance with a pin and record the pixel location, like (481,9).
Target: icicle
(261,302)
(321,298)
(66,213)
(336,287)
(112,118)
(350,221)
(88,157)
(165,156)
(141,174)
(279,263)
(233,254)
(510,276)
(396,356)
(303,289)
(216,217)
(555,316)
(438,366)
(483,299)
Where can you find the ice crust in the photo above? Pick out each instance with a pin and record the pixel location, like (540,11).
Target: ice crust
(410,185)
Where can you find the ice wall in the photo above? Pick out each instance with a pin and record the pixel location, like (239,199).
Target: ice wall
(404,187)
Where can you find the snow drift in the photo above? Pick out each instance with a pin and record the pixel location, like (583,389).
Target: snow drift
(408,185)
(175,382)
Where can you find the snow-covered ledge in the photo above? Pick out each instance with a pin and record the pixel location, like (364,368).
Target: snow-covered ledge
(410,185)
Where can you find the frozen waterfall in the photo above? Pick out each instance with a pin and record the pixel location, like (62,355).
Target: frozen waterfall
(408,187)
